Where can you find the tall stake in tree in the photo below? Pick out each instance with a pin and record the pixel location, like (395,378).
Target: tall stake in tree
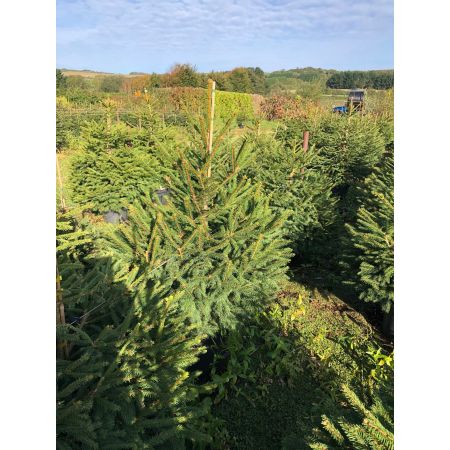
(61,193)
(211,98)
(305,140)
(305,146)
(62,350)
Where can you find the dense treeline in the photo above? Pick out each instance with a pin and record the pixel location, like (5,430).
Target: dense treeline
(308,82)
(376,79)
(308,74)
(240,79)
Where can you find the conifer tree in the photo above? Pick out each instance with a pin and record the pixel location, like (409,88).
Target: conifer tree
(216,236)
(372,237)
(375,430)
(122,375)
(349,146)
(293,184)
(115,168)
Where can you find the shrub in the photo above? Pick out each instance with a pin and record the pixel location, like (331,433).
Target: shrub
(279,107)
(234,104)
(111,83)
(189,100)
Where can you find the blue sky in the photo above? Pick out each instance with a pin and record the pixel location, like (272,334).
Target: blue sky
(150,36)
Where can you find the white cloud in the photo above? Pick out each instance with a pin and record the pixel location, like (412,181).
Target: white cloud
(177,24)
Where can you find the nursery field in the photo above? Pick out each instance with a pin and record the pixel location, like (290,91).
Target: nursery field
(224,271)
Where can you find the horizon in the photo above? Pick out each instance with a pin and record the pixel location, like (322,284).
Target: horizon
(135,72)
(123,36)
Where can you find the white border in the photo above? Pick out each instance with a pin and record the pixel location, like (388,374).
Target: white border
(27,183)
(422,175)
(27,186)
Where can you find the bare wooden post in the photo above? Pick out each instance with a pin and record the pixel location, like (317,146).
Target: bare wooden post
(211,101)
(62,348)
(305,146)
(305,140)
(61,194)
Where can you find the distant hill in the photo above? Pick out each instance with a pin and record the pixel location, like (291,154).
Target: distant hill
(308,74)
(93,74)
(308,82)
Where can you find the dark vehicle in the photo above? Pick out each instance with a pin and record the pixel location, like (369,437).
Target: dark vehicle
(355,102)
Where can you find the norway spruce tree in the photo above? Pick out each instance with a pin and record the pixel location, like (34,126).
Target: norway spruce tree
(348,146)
(372,237)
(215,236)
(294,185)
(372,429)
(123,377)
(115,168)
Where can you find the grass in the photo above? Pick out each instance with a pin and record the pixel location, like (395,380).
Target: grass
(289,412)
(330,100)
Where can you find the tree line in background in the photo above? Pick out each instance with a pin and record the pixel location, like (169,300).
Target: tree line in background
(240,79)
(376,79)
(307,82)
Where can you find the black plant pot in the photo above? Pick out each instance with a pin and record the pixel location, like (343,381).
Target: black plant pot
(162,194)
(116,217)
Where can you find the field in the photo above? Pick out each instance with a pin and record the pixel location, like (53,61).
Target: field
(221,284)
(331,100)
(92,74)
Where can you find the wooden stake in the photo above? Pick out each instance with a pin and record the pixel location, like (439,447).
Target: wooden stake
(305,146)
(211,101)
(305,140)
(61,194)
(62,348)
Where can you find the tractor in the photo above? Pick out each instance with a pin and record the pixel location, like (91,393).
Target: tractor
(355,102)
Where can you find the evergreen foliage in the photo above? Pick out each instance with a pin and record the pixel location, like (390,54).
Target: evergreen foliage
(216,236)
(372,237)
(348,146)
(202,260)
(61,81)
(375,430)
(115,169)
(386,126)
(123,378)
(62,130)
(294,185)
(377,79)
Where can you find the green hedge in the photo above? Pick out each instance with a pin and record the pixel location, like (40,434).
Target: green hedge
(195,100)
(234,103)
